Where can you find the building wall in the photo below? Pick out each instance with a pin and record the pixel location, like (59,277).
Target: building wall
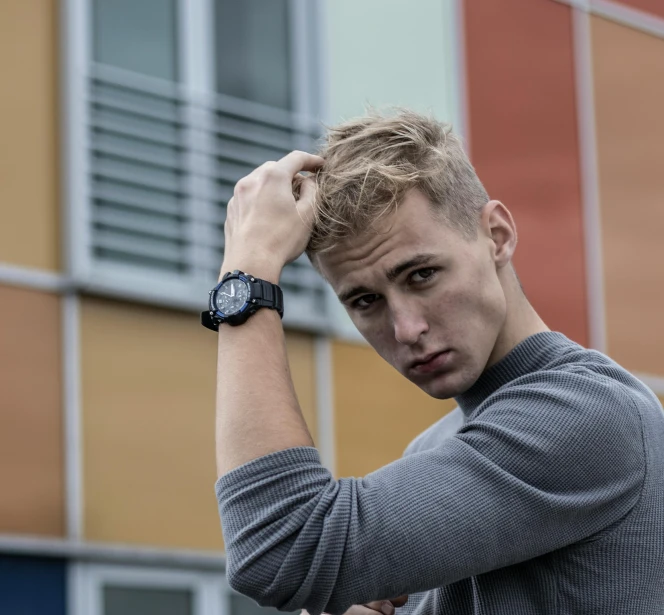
(377,411)
(648,7)
(524,143)
(31,414)
(629,90)
(29,215)
(371,51)
(148,397)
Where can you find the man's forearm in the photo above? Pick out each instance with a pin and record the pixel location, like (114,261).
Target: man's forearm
(257,409)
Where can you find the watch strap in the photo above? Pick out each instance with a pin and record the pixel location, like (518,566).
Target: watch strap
(268,295)
(209,321)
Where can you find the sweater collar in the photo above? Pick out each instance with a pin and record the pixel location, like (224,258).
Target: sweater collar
(530,355)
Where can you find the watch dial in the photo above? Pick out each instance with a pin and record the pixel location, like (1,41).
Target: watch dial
(231,296)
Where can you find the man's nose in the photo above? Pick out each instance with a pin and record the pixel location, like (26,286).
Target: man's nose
(409,326)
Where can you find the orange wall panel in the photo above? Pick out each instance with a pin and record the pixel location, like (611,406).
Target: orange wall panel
(28,125)
(31,423)
(148,387)
(377,411)
(524,144)
(629,95)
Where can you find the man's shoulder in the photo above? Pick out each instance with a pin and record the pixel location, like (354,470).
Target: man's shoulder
(584,375)
(431,437)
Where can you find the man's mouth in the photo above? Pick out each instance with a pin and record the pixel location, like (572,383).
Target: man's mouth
(430,363)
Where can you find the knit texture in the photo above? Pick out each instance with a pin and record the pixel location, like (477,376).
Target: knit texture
(547,499)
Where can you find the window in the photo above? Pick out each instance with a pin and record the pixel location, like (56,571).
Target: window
(167,107)
(241,605)
(137,36)
(100,589)
(119,600)
(123,590)
(255,36)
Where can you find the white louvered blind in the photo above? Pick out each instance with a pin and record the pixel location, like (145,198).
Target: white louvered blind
(161,166)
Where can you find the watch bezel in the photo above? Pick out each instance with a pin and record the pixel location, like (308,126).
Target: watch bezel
(244,312)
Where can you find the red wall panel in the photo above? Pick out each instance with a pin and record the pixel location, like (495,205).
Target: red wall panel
(524,144)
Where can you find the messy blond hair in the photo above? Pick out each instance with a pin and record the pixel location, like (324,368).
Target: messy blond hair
(371,163)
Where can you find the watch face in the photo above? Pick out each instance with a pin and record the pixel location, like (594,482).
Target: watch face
(231,296)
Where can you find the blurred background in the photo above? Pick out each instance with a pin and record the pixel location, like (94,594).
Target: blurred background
(124,125)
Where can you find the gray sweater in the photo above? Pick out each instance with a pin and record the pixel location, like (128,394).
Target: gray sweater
(548,498)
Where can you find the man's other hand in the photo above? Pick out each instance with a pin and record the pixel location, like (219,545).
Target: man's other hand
(385,607)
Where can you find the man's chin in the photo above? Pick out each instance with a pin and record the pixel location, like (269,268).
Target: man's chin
(446,386)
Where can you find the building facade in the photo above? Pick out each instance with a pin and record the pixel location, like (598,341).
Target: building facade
(124,125)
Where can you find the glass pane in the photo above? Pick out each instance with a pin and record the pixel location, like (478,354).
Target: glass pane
(139,601)
(241,605)
(139,36)
(253,59)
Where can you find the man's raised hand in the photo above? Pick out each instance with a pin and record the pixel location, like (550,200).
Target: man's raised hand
(264,222)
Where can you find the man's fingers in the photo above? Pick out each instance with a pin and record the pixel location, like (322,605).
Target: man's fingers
(372,608)
(305,203)
(307,189)
(386,607)
(300,161)
(381,606)
(400,601)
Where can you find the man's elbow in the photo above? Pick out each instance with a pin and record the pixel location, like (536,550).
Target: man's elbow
(270,582)
(256,582)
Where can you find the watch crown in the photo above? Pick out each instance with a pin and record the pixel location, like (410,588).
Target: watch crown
(211,313)
(253,300)
(253,279)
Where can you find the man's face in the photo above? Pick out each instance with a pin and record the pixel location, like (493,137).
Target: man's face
(426,298)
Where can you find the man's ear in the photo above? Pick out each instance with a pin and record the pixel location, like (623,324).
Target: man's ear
(498,225)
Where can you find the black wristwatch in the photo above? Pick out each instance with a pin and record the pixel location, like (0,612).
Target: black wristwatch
(237,297)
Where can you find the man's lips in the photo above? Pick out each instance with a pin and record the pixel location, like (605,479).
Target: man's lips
(430,363)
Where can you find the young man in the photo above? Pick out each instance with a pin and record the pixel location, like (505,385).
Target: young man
(549,498)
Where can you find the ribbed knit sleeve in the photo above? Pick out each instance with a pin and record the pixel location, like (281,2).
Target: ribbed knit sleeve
(553,458)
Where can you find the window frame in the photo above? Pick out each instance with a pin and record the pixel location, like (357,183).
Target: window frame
(209,590)
(197,86)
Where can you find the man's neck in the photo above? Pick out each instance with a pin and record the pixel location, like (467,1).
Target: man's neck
(521,321)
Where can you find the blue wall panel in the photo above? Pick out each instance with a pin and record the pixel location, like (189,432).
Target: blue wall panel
(31,586)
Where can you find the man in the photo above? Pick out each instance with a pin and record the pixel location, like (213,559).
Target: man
(549,498)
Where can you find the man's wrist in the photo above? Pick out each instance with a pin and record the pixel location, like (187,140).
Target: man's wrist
(262,268)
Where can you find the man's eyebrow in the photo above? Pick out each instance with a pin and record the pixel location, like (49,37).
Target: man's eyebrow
(392,275)
(416,261)
(357,290)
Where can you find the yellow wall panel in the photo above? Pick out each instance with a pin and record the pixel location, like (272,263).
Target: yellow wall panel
(302,360)
(629,66)
(31,423)
(377,411)
(28,125)
(148,386)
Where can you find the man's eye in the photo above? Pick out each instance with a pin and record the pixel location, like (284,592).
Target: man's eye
(364,301)
(422,274)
